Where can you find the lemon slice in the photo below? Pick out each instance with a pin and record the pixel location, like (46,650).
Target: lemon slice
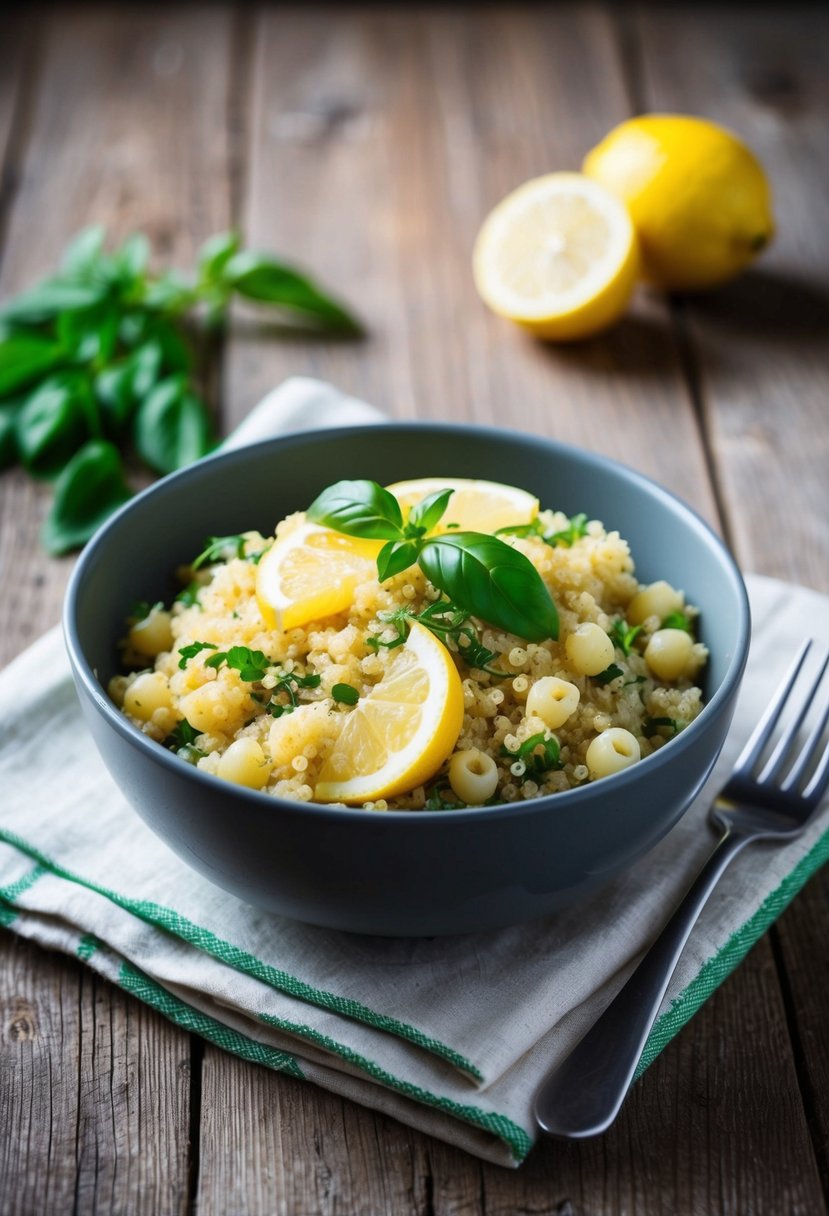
(401,732)
(558,256)
(311,573)
(477,506)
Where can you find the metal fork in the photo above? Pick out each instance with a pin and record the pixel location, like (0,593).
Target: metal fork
(582,1095)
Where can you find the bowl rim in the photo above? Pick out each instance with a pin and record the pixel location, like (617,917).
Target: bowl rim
(84,672)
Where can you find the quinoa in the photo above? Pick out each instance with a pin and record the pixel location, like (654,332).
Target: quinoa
(199,709)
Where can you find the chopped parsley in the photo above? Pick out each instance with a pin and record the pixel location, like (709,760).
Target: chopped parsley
(217,548)
(442,798)
(189,596)
(448,622)
(288,685)
(190,652)
(623,635)
(538,762)
(345,694)
(141,609)
(651,725)
(576,528)
(609,673)
(252,665)
(183,735)
(678,620)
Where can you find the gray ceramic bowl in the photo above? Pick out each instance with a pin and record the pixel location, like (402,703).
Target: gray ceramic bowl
(405,873)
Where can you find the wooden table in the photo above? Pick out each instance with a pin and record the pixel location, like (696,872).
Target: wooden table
(369,144)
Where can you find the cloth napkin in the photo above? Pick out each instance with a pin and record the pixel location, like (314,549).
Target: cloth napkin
(449,1035)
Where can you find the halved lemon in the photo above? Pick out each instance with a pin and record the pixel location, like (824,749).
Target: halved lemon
(311,573)
(558,256)
(401,732)
(477,506)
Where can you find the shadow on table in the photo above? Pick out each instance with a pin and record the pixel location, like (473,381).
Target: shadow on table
(770,305)
(761,306)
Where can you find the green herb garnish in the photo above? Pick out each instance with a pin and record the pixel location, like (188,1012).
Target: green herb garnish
(651,725)
(252,665)
(287,685)
(190,652)
(345,694)
(189,596)
(678,620)
(540,753)
(448,622)
(479,573)
(576,528)
(220,549)
(442,798)
(183,735)
(623,635)
(98,359)
(609,673)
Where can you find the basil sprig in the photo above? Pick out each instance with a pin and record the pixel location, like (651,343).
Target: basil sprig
(480,573)
(100,360)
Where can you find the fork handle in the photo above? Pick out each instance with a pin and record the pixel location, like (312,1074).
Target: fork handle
(582,1095)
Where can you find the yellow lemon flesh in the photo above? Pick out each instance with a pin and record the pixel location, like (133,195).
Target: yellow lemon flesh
(399,734)
(476,506)
(311,573)
(699,199)
(558,256)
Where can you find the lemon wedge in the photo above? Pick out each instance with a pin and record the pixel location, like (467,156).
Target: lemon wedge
(558,256)
(477,506)
(401,732)
(311,573)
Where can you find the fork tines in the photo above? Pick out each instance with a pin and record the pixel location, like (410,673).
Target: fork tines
(799,761)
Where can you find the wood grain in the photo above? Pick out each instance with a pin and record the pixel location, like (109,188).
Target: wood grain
(761,348)
(379,141)
(761,345)
(95,1095)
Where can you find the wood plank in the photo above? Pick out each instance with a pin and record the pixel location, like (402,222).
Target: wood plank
(762,351)
(761,343)
(95,1095)
(380,140)
(129,129)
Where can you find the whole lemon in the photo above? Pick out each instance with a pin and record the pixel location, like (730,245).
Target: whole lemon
(699,199)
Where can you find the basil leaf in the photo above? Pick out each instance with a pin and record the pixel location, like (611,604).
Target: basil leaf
(359,508)
(50,299)
(119,388)
(88,490)
(426,513)
(9,411)
(171,427)
(169,293)
(259,277)
(215,253)
(53,423)
(395,557)
(493,581)
(25,357)
(346,694)
(84,254)
(130,261)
